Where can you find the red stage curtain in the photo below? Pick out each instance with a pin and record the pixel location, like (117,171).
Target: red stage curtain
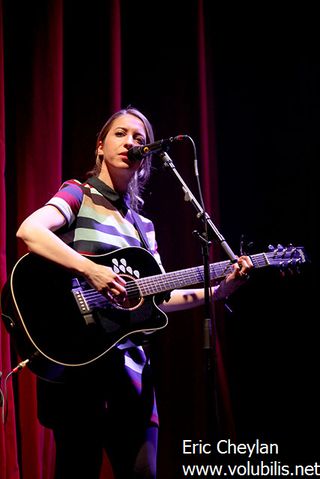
(54,99)
(210,185)
(9,468)
(38,173)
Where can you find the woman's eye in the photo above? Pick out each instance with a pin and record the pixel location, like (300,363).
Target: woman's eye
(141,141)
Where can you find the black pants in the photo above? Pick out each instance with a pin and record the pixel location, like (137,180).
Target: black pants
(100,409)
(131,451)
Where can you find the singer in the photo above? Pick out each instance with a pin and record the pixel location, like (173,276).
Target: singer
(109,404)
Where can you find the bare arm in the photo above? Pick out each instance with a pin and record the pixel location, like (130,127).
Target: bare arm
(190,298)
(37,231)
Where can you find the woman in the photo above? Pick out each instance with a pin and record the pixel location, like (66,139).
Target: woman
(111,403)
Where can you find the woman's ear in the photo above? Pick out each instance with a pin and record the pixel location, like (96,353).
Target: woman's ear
(100,148)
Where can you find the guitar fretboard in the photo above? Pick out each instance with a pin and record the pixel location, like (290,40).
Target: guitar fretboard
(161,283)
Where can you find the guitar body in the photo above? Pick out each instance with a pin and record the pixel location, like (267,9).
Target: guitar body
(49,323)
(57,320)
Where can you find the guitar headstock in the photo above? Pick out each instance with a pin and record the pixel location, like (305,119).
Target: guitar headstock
(290,257)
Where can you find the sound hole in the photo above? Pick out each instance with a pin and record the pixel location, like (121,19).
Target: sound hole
(133,299)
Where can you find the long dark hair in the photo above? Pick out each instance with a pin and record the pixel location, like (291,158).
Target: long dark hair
(141,176)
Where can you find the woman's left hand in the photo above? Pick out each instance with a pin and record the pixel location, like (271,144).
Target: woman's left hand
(241,268)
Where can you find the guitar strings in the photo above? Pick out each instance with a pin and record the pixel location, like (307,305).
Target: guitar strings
(163,282)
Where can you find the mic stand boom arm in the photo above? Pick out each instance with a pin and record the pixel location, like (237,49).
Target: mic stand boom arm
(201,214)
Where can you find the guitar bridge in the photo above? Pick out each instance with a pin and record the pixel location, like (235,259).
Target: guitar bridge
(83,306)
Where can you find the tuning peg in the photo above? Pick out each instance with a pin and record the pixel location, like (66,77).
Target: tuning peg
(296,269)
(276,250)
(296,263)
(293,251)
(282,273)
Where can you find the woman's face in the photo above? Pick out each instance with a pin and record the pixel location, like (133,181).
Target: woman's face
(126,131)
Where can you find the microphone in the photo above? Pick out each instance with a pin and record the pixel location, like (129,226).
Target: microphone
(136,153)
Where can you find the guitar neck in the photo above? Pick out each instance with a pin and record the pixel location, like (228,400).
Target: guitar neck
(161,283)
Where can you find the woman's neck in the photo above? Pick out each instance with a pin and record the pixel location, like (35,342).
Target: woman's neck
(119,184)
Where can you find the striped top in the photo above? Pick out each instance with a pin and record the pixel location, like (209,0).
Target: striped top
(98,221)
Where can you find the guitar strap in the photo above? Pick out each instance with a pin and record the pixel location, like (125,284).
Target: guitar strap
(139,227)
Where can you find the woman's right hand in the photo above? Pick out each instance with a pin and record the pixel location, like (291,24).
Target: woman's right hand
(37,231)
(105,280)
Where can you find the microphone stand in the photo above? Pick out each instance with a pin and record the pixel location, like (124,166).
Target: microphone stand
(209,322)
(201,214)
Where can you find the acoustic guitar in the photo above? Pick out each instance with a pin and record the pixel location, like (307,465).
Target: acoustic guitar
(58,320)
